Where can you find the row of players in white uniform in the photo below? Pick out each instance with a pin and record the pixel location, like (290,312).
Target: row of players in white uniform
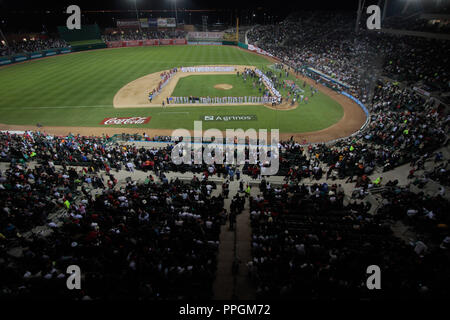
(268,83)
(208,69)
(222,100)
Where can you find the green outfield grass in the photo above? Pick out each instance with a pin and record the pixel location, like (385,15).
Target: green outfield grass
(203,86)
(78,90)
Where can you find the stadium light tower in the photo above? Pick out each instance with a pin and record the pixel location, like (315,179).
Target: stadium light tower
(176,13)
(358,14)
(384,10)
(137,15)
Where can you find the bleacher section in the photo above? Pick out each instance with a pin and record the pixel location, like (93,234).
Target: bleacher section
(88,37)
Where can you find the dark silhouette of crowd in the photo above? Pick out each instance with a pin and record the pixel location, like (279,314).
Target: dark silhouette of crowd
(29,46)
(62,204)
(307,243)
(328,42)
(143,35)
(143,241)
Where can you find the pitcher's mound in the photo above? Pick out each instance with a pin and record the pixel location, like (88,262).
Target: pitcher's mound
(223,86)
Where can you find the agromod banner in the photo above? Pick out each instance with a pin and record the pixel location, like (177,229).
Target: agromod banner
(127,120)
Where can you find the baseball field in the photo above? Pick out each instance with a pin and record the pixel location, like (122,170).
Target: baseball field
(76,92)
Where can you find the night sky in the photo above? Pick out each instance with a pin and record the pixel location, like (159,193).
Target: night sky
(282,5)
(38,15)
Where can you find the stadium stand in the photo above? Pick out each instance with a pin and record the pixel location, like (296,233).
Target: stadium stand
(377,197)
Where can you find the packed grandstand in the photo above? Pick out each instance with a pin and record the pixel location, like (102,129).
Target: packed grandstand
(145,228)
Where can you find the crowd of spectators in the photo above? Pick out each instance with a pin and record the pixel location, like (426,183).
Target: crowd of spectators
(403,127)
(328,42)
(29,46)
(143,35)
(307,243)
(418,24)
(150,240)
(158,239)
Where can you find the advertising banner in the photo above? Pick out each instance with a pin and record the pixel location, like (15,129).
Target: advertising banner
(114,44)
(144,22)
(250,117)
(35,55)
(258,50)
(153,42)
(171,23)
(140,43)
(50,53)
(166,41)
(20,58)
(204,43)
(128,23)
(162,23)
(179,41)
(205,36)
(127,120)
(152,23)
(5,61)
(132,43)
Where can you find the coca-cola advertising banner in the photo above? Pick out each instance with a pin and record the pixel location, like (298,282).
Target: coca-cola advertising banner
(127,120)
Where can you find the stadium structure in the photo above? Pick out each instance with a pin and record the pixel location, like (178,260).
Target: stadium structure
(347,198)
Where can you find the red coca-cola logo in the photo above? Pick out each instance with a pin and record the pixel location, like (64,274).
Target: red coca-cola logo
(127,120)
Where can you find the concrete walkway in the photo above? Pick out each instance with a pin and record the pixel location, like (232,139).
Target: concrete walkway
(234,244)
(237,243)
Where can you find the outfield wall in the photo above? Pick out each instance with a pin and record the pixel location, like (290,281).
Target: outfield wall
(144,43)
(111,44)
(362,106)
(33,55)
